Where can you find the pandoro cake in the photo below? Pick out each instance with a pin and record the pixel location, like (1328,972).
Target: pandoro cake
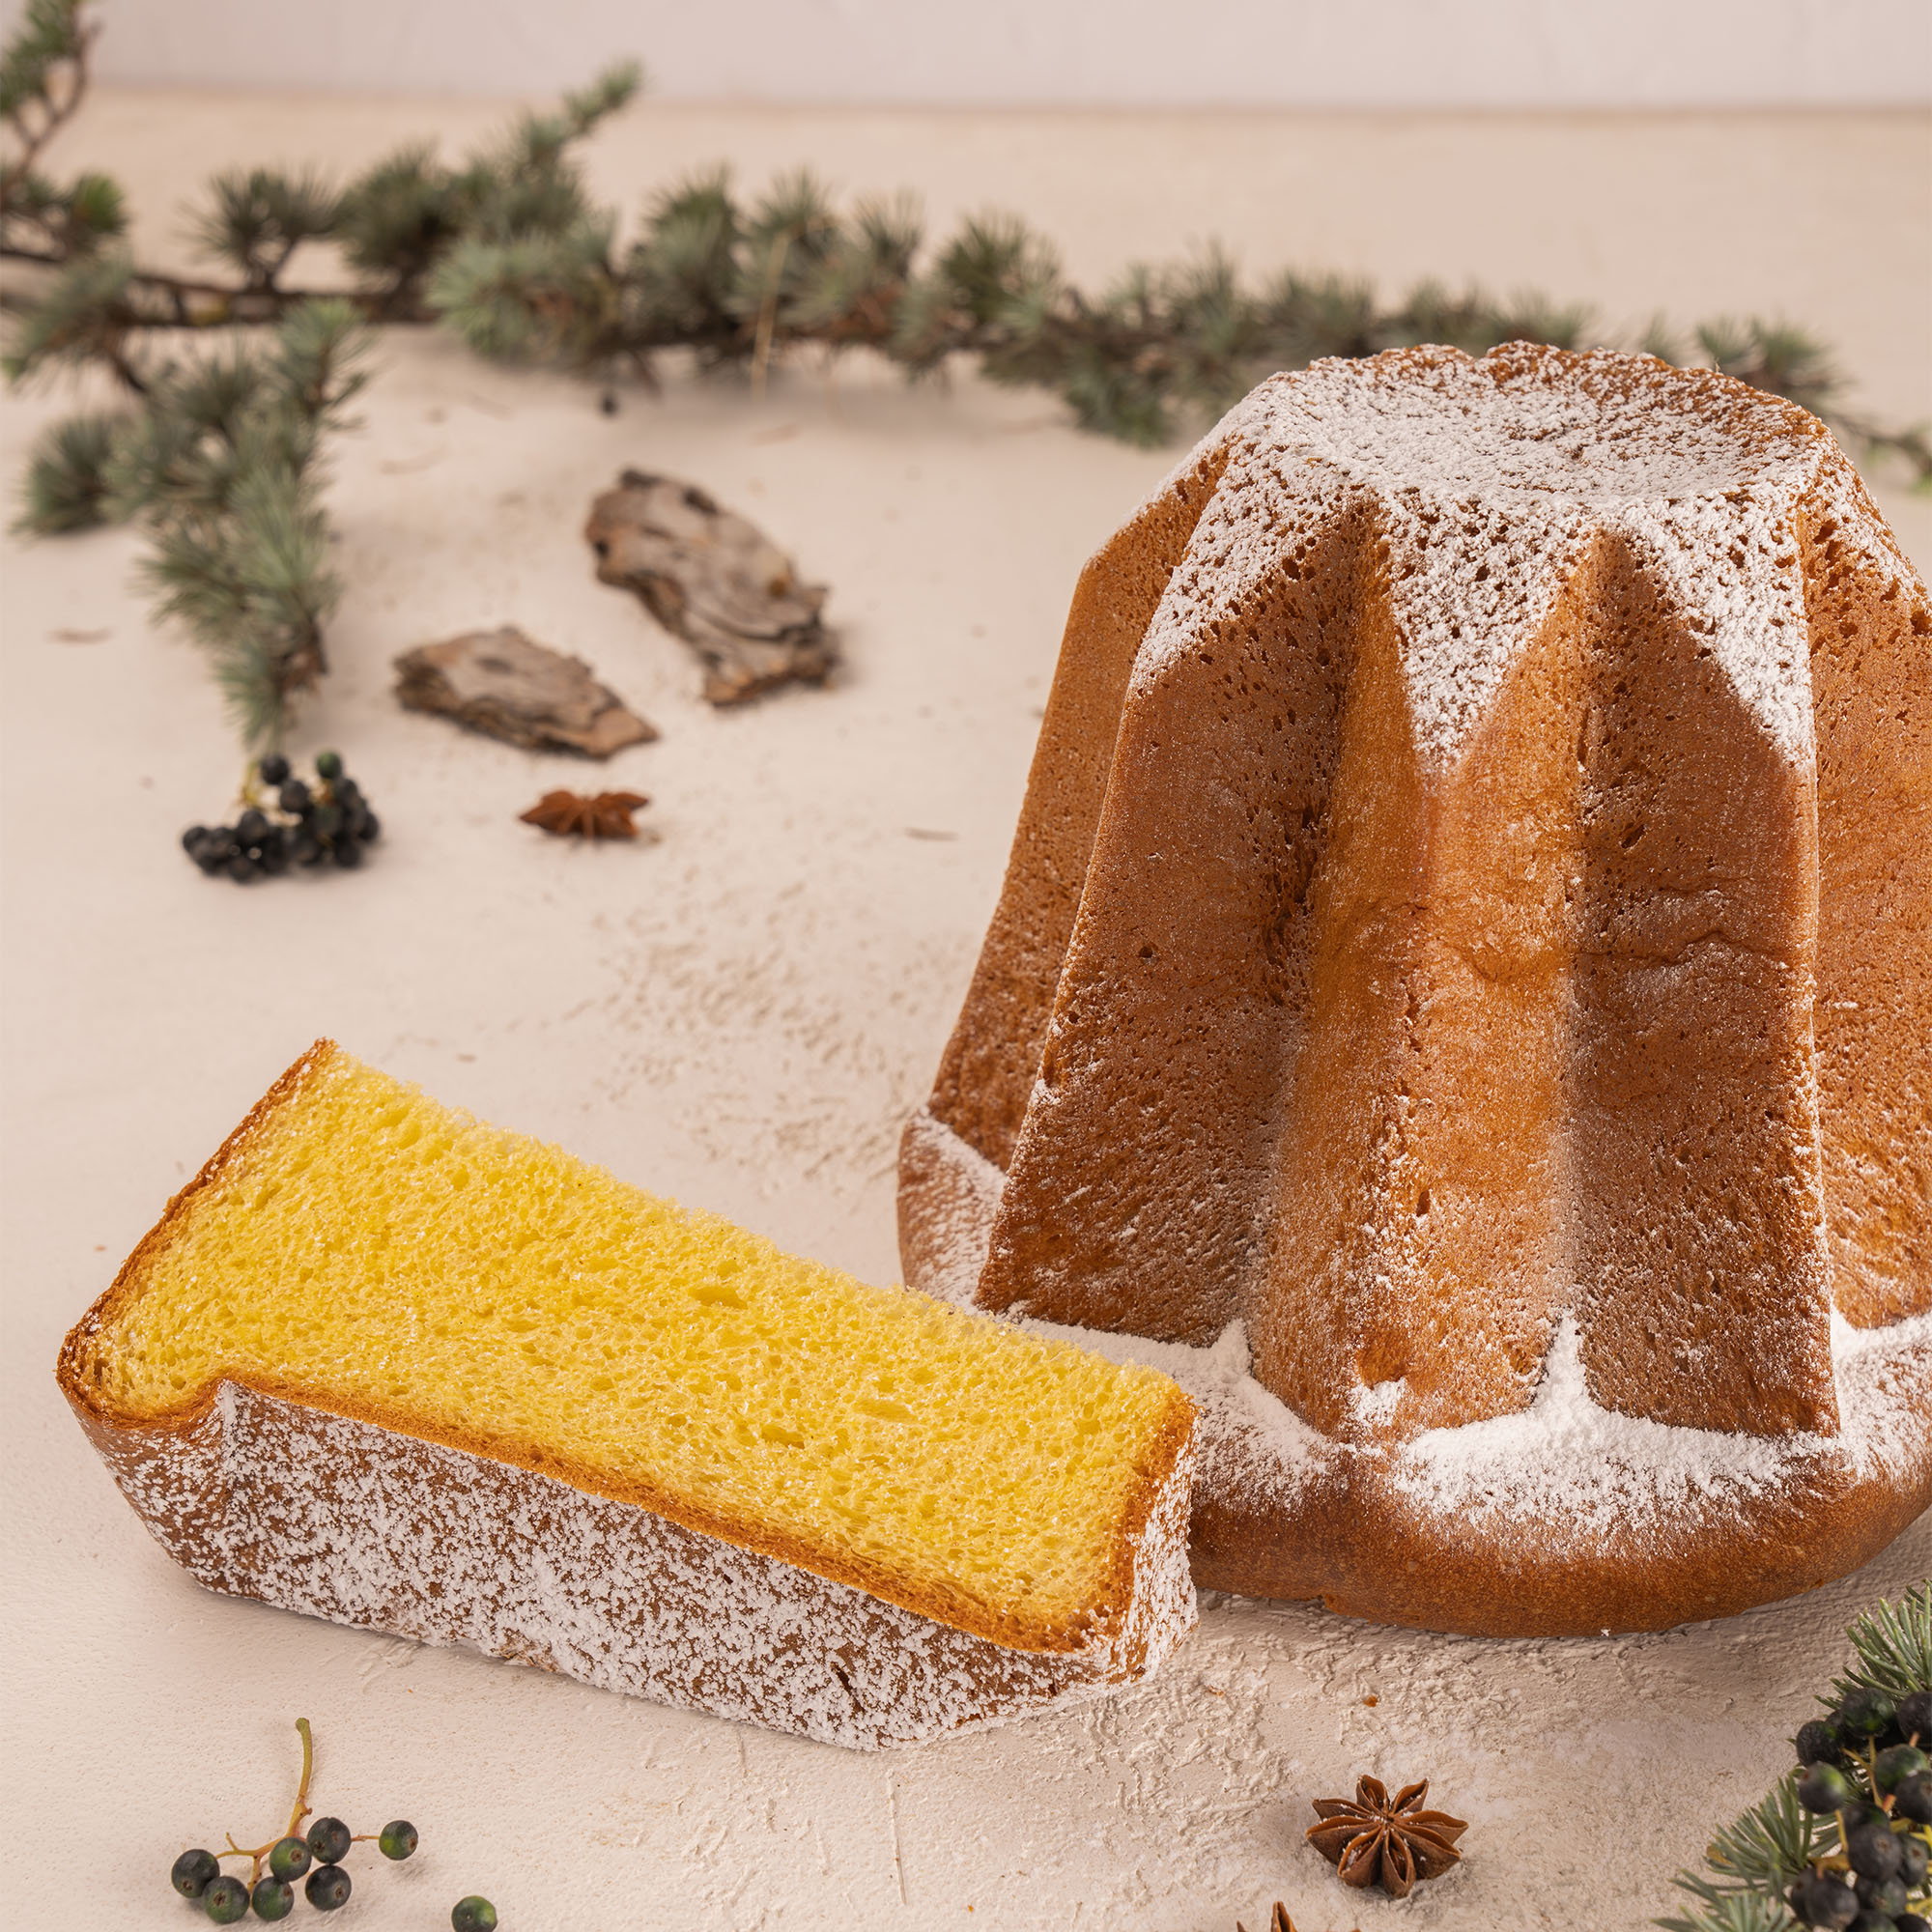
(1462,996)
(388,1365)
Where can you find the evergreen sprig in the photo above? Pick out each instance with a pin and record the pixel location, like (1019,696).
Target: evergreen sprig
(1893,1643)
(508,252)
(1751,1863)
(221,464)
(43,79)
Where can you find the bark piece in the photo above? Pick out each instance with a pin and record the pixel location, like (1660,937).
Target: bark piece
(716,580)
(501,683)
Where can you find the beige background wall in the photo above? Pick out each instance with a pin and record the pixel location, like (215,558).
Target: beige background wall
(1453,53)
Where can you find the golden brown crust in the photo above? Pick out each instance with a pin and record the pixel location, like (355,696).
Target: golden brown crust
(981,1087)
(1362,1550)
(148,1435)
(1871,678)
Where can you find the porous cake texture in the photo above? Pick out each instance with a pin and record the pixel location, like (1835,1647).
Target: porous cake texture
(1461,995)
(389,1365)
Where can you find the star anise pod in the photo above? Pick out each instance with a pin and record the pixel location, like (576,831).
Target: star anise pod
(1278,1921)
(1390,1841)
(571,815)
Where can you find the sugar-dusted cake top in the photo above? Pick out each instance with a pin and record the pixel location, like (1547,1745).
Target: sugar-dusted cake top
(1492,481)
(1593,430)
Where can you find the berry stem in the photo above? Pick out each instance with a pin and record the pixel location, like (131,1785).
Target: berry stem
(302,1807)
(235,1851)
(300,1811)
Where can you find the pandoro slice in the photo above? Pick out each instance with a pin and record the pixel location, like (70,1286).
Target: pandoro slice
(385,1364)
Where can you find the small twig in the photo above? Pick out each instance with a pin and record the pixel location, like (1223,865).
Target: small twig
(768,306)
(303,1806)
(301,1810)
(235,1851)
(57,114)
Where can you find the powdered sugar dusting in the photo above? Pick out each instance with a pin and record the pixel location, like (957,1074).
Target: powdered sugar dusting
(1488,479)
(1566,1460)
(959,1197)
(340,1518)
(1563,1461)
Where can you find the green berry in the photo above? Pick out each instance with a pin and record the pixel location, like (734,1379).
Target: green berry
(473,1914)
(328,1839)
(226,1900)
(1914,1717)
(272,1898)
(328,765)
(1914,1861)
(1885,1896)
(1863,1713)
(194,1873)
(1825,1788)
(1814,1743)
(1823,1899)
(327,1887)
(1873,1852)
(288,1858)
(1891,1768)
(397,1840)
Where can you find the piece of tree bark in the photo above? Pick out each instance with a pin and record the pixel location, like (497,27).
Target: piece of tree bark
(714,579)
(501,683)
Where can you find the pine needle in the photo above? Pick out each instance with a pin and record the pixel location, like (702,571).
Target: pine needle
(65,483)
(1893,1643)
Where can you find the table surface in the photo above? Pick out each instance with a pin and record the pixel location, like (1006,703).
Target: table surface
(742,1013)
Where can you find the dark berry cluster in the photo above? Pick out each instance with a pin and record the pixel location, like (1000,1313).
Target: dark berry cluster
(271,1893)
(316,1855)
(1867,1765)
(287,821)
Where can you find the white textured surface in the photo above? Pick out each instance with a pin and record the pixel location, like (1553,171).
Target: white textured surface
(744,1015)
(1477,53)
